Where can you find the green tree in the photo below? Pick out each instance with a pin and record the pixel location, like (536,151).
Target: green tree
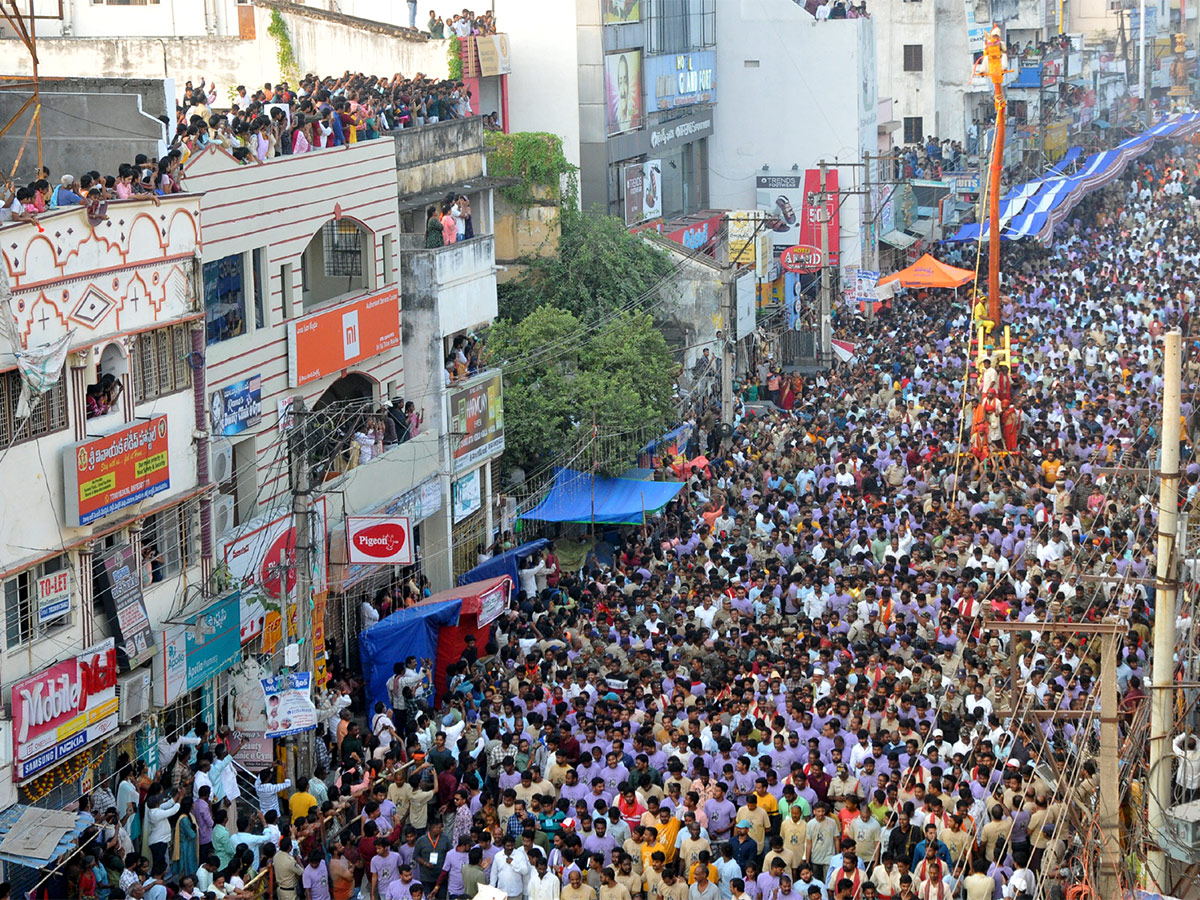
(559,372)
(599,268)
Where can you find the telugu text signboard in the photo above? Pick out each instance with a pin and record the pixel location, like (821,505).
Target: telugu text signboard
(477,421)
(61,710)
(106,474)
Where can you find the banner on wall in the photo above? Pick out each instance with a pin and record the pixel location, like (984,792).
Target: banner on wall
(117,585)
(199,648)
(476,419)
(643,191)
(796,214)
(623,91)
(621,12)
(289,703)
(106,474)
(261,556)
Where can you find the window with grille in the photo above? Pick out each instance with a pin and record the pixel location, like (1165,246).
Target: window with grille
(913,57)
(676,26)
(48,415)
(914,129)
(22,610)
(173,537)
(160,362)
(343,248)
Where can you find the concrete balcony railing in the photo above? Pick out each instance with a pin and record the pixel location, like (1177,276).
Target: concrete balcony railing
(453,287)
(443,153)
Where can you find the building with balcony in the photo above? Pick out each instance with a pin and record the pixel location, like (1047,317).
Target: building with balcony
(225,41)
(104,507)
(632,94)
(449,296)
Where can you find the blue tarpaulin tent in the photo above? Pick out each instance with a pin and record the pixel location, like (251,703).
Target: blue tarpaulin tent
(406,632)
(503,563)
(582,497)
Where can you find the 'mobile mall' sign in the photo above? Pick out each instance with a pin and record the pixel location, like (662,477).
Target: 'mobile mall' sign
(680,131)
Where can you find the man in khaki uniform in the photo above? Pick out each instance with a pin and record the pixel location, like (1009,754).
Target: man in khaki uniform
(758,818)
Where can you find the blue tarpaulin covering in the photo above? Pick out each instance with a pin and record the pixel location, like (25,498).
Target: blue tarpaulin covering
(1069,157)
(1034,209)
(406,632)
(1028,77)
(503,563)
(581,497)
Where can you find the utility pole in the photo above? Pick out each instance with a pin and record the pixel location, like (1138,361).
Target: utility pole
(729,315)
(825,301)
(1165,600)
(870,244)
(1145,117)
(1108,806)
(301,521)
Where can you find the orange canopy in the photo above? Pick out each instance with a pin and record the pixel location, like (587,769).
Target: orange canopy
(927,272)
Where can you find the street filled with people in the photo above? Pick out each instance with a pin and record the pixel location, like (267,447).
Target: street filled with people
(787,684)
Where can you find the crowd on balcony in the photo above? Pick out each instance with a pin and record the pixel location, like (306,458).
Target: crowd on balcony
(45,192)
(322,112)
(464,24)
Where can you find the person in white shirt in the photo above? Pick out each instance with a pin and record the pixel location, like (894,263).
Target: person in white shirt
(509,868)
(159,816)
(268,791)
(543,884)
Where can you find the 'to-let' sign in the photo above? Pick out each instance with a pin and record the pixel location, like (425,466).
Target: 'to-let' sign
(379,540)
(801,258)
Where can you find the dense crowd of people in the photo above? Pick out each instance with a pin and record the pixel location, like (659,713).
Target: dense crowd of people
(785,687)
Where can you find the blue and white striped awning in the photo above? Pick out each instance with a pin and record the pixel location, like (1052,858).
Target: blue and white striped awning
(1035,208)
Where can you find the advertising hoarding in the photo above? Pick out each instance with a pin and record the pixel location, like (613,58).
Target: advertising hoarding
(105,474)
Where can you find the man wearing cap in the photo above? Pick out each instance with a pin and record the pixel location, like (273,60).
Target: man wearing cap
(745,849)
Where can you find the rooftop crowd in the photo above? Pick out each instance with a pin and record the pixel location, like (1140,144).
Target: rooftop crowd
(784,687)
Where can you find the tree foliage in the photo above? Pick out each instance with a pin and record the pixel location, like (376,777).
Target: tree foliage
(599,268)
(560,372)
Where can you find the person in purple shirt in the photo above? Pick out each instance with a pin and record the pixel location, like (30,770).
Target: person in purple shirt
(315,878)
(452,868)
(204,820)
(600,841)
(385,866)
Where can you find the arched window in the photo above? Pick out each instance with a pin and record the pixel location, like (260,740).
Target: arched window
(338,260)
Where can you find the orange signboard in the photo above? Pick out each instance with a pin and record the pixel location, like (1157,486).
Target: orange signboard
(334,339)
(109,473)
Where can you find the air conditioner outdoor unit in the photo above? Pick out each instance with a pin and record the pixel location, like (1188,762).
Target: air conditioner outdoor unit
(223,514)
(220,467)
(133,692)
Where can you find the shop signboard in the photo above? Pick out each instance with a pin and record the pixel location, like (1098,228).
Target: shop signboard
(466,496)
(261,556)
(476,421)
(493,603)
(493,53)
(643,191)
(379,540)
(665,135)
(290,708)
(64,708)
(117,584)
(681,79)
(198,648)
(331,340)
(801,258)
(106,474)
(237,407)
(698,235)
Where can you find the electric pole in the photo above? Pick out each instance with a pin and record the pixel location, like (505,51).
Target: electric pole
(869,240)
(1165,600)
(825,300)
(301,521)
(729,314)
